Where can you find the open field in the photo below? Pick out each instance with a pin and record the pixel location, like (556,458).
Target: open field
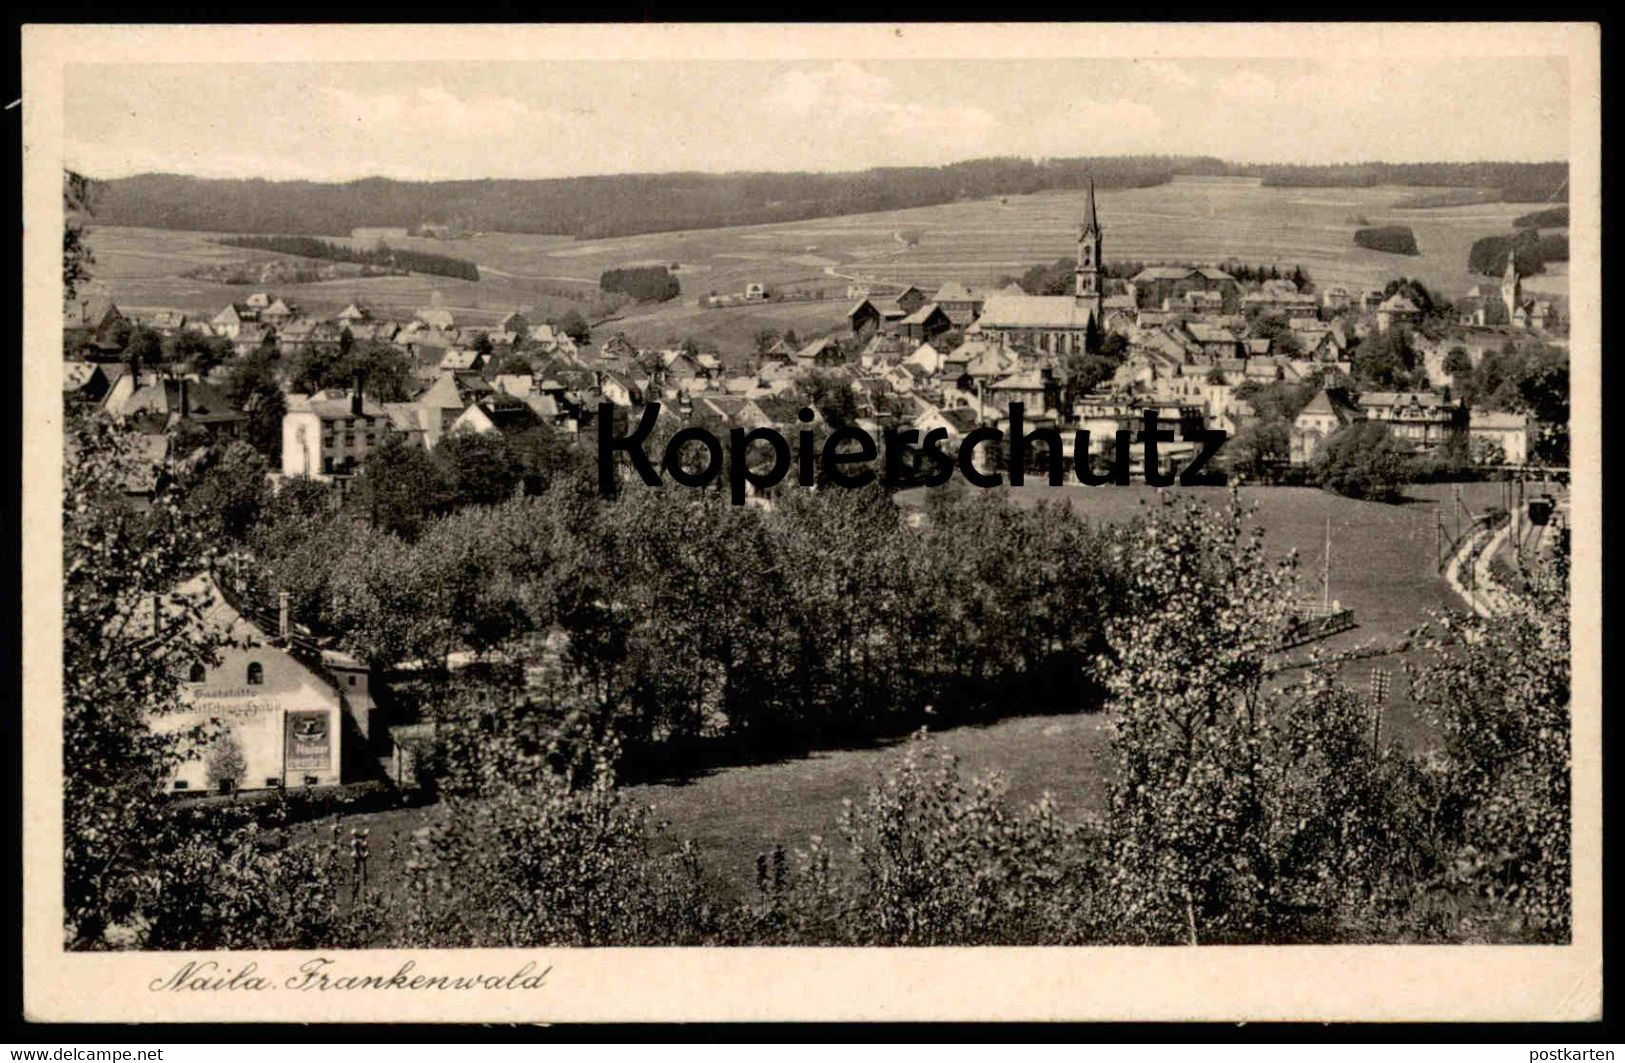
(974,241)
(142,270)
(1382,567)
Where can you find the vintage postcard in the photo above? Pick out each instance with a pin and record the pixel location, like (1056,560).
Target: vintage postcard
(872,522)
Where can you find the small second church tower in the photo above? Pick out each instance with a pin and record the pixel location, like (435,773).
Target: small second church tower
(1089,290)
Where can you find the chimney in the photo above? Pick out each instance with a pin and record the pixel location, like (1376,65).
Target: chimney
(355,394)
(282,615)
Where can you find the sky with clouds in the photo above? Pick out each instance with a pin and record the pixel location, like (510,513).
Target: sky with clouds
(449,120)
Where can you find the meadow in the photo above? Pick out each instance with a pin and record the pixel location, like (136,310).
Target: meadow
(1383,567)
(977,242)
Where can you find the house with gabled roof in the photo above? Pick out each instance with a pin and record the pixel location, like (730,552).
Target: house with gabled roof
(823,352)
(1330,410)
(330,433)
(229,321)
(730,410)
(161,404)
(925,324)
(278,311)
(497,414)
(962,305)
(252,335)
(461,360)
(1425,419)
(1396,310)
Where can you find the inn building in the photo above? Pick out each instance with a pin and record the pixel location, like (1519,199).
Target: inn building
(276,716)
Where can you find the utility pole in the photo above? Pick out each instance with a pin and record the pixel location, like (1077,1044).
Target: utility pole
(1379,696)
(1326,571)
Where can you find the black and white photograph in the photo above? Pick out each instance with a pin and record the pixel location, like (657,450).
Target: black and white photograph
(755,499)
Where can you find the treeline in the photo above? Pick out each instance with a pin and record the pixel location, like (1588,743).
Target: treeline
(1057,278)
(382,255)
(595,207)
(698,627)
(1517,182)
(646,284)
(1532,250)
(1393,239)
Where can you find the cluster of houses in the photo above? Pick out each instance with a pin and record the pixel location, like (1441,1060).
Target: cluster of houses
(1193,341)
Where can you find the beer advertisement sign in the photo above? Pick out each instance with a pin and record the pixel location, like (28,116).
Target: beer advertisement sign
(308,740)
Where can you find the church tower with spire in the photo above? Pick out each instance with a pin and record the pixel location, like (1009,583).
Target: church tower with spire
(1511,287)
(1089,290)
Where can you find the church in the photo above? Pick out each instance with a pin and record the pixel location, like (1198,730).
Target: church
(1056,324)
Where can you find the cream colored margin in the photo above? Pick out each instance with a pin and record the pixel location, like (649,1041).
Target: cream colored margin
(1398,983)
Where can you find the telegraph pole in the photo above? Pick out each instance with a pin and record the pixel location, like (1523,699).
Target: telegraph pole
(1379,695)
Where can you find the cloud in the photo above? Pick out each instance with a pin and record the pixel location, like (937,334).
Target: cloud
(846,94)
(1246,85)
(1169,71)
(432,109)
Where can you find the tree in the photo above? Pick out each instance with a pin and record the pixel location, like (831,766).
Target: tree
(1459,364)
(515,364)
(121,570)
(198,353)
(573,325)
(145,346)
(830,393)
(1386,360)
(1260,445)
(481,468)
(225,765)
(1239,811)
(764,340)
(1499,690)
(78,197)
(228,490)
(401,487)
(1276,329)
(1085,372)
(1363,460)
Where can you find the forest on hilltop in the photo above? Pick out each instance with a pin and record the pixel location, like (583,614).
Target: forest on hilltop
(627,204)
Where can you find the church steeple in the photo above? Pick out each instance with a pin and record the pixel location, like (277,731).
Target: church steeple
(1511,288)
(1088,290)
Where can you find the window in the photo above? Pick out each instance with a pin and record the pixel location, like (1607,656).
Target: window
(180,784)
(351,680)
(272,781)
(311,780)
(196,675)
(256,673)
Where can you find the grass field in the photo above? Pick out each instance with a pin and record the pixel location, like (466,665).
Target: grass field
(1382,567)
(974,241)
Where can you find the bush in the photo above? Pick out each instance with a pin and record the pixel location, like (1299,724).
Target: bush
(549,864)
(1555,218)
(933,859)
